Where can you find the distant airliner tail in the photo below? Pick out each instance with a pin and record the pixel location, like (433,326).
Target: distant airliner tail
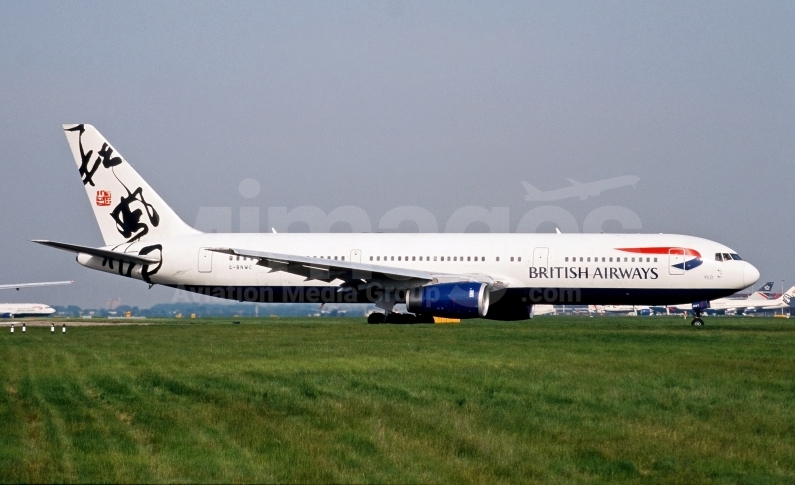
(761,293)
(126,207)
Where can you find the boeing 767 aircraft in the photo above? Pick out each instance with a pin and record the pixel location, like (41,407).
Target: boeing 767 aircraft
(494,276)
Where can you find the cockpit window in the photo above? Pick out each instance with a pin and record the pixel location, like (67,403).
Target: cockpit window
(736,257)
(726,257)
(718,257)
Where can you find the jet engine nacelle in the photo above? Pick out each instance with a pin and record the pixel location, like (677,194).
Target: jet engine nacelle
(452,300)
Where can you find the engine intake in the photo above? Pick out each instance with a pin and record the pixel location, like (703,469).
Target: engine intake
(454,300)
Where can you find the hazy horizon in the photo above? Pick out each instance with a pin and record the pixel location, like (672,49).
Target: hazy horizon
(381,105)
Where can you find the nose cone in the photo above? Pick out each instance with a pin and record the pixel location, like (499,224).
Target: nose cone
(750,274)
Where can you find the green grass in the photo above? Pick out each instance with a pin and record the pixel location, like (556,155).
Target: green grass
(554,400)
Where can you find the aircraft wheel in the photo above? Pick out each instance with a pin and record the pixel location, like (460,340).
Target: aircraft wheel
(376,318)
(697,322)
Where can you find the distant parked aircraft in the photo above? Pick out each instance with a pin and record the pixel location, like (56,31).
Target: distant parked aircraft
(754,303)
(14,310)
(544,310)
(620,309)
(578,189)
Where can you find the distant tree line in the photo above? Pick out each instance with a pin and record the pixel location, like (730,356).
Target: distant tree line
(171,310)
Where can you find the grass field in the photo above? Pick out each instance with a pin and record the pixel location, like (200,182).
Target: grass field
(554,400)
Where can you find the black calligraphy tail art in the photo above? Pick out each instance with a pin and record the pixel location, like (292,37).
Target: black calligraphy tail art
(127,209)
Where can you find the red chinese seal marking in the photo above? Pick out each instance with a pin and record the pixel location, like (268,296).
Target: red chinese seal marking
(103,198)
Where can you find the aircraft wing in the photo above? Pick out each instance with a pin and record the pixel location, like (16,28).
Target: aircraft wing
(331,269)
(35,285)
(326,269)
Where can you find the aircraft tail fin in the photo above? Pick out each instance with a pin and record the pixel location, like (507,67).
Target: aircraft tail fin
(760,294)
(532,192)
(767,287)
(126,207)
(789,296)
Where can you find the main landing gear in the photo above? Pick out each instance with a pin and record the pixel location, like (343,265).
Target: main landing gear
(697,322)
(398,318)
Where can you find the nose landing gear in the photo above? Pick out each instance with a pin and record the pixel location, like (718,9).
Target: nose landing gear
(697,321)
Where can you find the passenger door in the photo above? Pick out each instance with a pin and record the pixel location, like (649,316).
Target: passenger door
(540,257)
(205,260)
(676,256)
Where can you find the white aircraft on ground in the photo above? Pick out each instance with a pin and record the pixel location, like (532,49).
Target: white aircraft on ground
(19,310)
(727,305)
(539,310)
(494,276)
(620,309)
(578,189)
(755,304)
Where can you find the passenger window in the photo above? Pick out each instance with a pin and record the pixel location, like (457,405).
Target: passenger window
(434,258)
(512,259)
(393,258)
(230,258)
(498,258)
(581,259)
(398,258)
(588,260)
(519,259)
(448,258)
(625,260)
(611,260)
(603,259)
(567,259)
(469,258)
(455,258)
(414,258)
(633,260)
(379,258)
(655,260)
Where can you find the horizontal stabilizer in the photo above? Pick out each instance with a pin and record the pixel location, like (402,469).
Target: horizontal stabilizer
(102,253)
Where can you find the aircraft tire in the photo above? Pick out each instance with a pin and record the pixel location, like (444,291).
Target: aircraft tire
(697,322)
(376,318)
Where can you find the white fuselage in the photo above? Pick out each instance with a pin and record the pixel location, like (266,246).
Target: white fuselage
(497,276)
(593,264)
(14,310)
